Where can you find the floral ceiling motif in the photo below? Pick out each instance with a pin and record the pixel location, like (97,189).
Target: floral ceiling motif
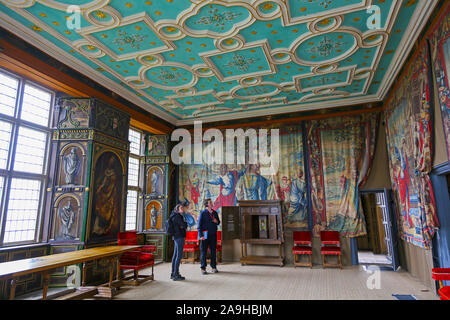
(213,60)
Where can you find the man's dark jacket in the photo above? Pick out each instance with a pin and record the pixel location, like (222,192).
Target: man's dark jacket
(205,223)
(179,225)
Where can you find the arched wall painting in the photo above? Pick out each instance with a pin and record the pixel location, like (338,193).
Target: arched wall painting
(71,166)
(67,219)
(107,200)
(155,181)
(153,215)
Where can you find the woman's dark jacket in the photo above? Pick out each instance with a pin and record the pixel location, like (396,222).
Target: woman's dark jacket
(179,225)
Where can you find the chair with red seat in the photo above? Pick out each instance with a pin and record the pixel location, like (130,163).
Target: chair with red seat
(191,244)
(302,246)
(330,245)
(442,274)
(219,246)
(135,260)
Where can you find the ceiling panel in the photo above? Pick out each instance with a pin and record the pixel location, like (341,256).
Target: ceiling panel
(216,60)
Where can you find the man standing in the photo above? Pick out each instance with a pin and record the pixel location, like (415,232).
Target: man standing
(178,235)
(208,221)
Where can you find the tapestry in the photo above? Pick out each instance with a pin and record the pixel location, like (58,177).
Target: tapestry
(340,156)
(225,184)
(409,141)
(440,53)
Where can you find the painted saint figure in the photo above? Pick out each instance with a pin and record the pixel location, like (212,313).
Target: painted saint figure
(153,217)
(71,166)
(194,187)
(67,216)
(227,181)
(255,185)
(154,180)
(297,199)
(403,182)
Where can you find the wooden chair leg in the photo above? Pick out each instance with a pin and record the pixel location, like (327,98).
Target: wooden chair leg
(310,261)
(324,261)
(295,260)
(340,261)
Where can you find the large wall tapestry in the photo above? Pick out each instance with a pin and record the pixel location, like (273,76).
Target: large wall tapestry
(340,155)
(225,184)
(440,52)
(107,201)
(409,140)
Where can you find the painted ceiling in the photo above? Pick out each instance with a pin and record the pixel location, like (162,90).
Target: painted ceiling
(214,60)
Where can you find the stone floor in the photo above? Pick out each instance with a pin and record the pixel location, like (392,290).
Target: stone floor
(267,282)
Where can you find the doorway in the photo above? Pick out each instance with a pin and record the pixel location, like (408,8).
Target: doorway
(379,245)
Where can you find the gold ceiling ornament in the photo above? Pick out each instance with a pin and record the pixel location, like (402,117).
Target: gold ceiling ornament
(289,19)
(325,24)
(202,70)
(150,60)
(186,92)
(88,49)
(249,81)
(324,68)
(281,56)
(92,14)
(230,44)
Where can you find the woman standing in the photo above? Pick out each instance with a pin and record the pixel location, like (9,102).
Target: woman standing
(179,235)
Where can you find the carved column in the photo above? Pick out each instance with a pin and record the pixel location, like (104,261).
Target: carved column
(87,182)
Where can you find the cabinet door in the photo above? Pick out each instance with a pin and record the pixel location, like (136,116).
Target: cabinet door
(231,226)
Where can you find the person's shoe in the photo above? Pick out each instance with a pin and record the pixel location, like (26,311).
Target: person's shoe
(180,276)
(177,278)
(171,276)
(204,271)
(214,270)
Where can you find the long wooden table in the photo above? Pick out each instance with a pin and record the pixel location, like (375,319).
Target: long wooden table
(45,264)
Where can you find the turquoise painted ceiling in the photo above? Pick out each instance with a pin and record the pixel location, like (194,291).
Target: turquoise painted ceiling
(214,60)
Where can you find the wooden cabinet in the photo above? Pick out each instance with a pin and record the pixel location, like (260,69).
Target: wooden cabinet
(261,224)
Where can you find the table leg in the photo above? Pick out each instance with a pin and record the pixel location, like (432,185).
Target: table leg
(83,284)
(118,268)
(46,277)
(12,293)
(111,272)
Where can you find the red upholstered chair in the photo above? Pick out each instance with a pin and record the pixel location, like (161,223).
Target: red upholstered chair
(302,246)
(191,244)
(219,246)
(330,245)
(442,274)
(135,260)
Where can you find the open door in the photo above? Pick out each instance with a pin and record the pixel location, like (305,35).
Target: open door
(380,245)
(386,202)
